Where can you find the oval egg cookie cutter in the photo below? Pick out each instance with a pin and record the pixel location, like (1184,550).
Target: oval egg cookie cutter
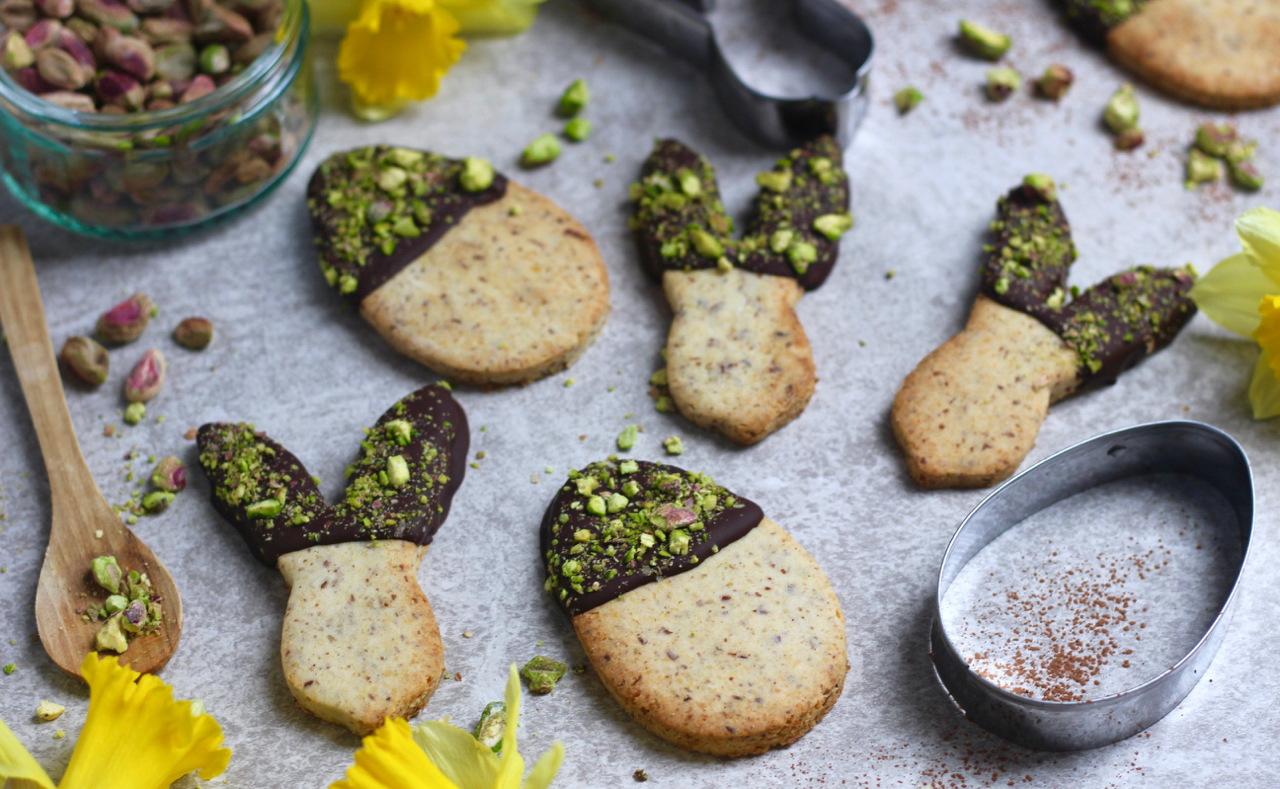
(682,28)
(1189,448)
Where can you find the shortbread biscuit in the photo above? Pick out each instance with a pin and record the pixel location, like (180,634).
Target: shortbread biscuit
(360,641)
(703,618)
(1222,54)
(738,360)
(489,287)
(969,413)
(743,366)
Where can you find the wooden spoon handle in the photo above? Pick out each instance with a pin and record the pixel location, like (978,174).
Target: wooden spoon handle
(22,316)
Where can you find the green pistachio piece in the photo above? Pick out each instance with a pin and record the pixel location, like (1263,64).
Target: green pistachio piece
(347,284)
(115,603)
(111,636)
(781,239)
(659,378)
(907,100)
(833,225)
(1216,139)
(1245,174)
(477,174)
(802,254)
(628,467)
(543,150)
(1202,168)
(263,510)
(983,41)
(690,184)
(1055,82)
(157,501)
(574,98)
(1122,110)
(397,471)
(673,445)
(596,506)
(578,129)
(678,542)
(391,179)
(170,474)
(706,244)
(107,573)
(492,726)
(542,673)
(627,438)
(405,227)
(774,180)
(400,431)
(1002,82)
(404,157)
(135,413)
(664,405)
(1043,186)
(631,488)
(1057,299)
(616,503)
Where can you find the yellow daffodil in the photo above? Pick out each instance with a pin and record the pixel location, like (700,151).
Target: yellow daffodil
(135,736)
(1242,294)
(436,755)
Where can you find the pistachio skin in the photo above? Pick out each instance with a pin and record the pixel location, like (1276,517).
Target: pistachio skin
(126,321)
(194,333)
(86,359)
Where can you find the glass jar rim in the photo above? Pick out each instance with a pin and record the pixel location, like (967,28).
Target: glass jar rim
(292,24)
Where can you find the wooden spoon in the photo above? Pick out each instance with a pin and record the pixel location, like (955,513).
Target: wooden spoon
(84,526)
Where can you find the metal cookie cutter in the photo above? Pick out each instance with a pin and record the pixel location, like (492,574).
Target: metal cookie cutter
(1188,448)
(681,27)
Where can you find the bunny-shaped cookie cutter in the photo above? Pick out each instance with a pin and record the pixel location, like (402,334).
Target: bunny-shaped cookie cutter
(1181,447)
(682,28)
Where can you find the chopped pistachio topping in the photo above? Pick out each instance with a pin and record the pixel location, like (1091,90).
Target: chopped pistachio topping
(48,711)
(542,674)
(492,726)
(477,174)
(627,438)
(135,413)
(833,225)
(907,99)
(543,150)
(578,129)
(1122,110)
(673,445)
(574,98)
(983,41)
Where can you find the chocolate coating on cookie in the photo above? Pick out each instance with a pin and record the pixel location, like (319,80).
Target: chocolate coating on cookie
(411,464)
(1124,319)
(1093,19)
(375,210)
(1028,262)
(798,216)
(616,526)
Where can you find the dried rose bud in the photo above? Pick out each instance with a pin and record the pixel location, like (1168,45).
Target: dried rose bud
(86,359)
(175,62)
(14,52)
(19,15)
(202,85)
(70,100)
(60,70)
(146,378)
(84,30)
(194,333)
(120,89)
(166,31)
(170,475)
(57,9)
(108,12)
(222,25)
(126,321)
(44,33)
(133,55)
(1055,82)
(1129,139)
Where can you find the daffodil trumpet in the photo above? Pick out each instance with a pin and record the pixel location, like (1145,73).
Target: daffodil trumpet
(1242,294)
(436,755)
(135,736)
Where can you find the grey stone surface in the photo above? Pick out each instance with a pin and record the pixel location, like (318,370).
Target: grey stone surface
(291,357)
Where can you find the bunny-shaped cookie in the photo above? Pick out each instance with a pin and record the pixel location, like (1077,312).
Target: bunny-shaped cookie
(360,641)
(970,412)
(738,360)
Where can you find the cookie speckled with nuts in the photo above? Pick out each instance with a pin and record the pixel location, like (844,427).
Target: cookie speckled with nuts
(702,617)
(969,413)
(348,656)
(456,267)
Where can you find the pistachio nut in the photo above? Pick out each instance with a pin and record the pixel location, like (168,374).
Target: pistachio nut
(30,79)
(150,6)
(170,475)
(174,61)
(492,726)
(1055,82)
(578,129)
(574,98)
(542,674)
(115,603)
(397,471)
(1042,185)
(58,68)
(983,41)
(543,150)
(774,180)
(108,12)
(56,9)
(77,47)
(134,413)
(82,29)
(14,52)
(802,254)
(477,174)
(70,100)
(126,321)
(146,378)
(18,15)
(133,618)
(1002,82)
(215,59)
(194,333)
(111,637)
(106,571)
(1129,139)
(1245,174)
(165,30)
(250,51)
(627,438)
(202,85)
(48,711)
(44,33)
(86,359)
(1122,110)
(907,99)
(1216,139)
(131,54)
(833,225)
(1202,168)
(156,501)
(120,89)
(221,24)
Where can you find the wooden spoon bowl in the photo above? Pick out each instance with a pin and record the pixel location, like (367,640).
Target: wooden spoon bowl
(83,525)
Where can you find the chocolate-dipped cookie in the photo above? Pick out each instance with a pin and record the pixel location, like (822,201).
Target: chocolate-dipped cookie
(702,617)
(360,641)
(738,360)
(969,413)
(458,268)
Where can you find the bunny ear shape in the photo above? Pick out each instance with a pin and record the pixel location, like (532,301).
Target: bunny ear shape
(262,489)
(411,463)
(1028,262)
(680,222)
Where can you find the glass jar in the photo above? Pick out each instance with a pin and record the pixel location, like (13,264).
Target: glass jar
(164,172)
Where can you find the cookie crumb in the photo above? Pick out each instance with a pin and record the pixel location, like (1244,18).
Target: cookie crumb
(466,634)
(108,430)
(59,734)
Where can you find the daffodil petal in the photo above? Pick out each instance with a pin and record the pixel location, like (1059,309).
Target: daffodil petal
(391,759)
(136,736)
(545,769)
(1229,294)
(458,754)
(512,765)
(1264,390)
(18,769)
(1259,231)
(398,49)
(1268,331)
